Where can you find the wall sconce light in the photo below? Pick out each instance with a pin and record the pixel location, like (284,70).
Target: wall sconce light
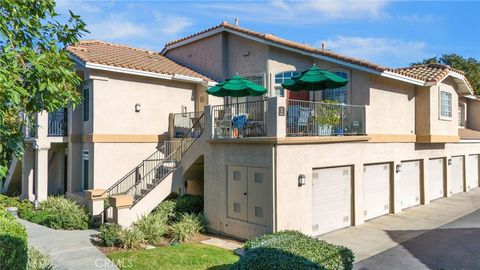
(301,180)
(449,161)
(138,107)
(398,168)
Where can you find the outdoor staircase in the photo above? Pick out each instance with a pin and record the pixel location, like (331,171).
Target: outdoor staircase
(156,169)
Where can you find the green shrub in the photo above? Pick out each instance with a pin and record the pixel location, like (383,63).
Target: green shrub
(188,225)
(131,238)
(153,227)
(166,210)
(294,250)
(110,234)
(189,204)
(13,243)
(38,260)
(59,213)
(23,206)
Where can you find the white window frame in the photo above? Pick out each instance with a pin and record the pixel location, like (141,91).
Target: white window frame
(279,85)
(347,87)
(440,115)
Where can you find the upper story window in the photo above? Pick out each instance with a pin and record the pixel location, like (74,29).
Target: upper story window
(445,105)
(256,78)
(281,78)
(86,104)
(340,94)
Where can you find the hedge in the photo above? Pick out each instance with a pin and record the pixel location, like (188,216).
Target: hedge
(13,243)
(294,250)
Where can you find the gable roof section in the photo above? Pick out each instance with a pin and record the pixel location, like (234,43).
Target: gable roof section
(102,55)
(419,75)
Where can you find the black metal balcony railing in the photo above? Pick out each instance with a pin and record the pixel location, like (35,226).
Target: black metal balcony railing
(240,120)
(307,118)
(57,123)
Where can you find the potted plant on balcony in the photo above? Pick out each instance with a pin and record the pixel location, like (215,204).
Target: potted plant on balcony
(327,117)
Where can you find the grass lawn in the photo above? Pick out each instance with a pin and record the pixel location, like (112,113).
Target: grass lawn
(182,256)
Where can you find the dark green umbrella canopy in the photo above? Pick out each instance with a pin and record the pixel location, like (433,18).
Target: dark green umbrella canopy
(314,79)
(237,86)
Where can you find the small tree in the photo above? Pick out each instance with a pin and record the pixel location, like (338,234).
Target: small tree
(36,73)
(470,66)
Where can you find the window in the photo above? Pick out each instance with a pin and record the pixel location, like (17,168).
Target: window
(281,78)
(339,95)
(85,169)
(461,115)
(445,105)
(257,78)
(86,104)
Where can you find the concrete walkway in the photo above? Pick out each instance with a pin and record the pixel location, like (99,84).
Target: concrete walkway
(67,249)
(418,238)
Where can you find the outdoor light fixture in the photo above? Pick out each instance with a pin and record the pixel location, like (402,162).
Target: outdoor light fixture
(138,107)
(398,168)
(449,161)
(301,180)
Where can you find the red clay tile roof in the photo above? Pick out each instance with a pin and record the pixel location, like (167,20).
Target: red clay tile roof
(428,73)
(468,134)
(105,53)
(434,72)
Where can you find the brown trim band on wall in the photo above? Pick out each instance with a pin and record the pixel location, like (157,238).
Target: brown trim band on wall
(437,139)
(393,138)
(117,138)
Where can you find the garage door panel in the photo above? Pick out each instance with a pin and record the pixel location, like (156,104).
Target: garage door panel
(473,171)
(410,184)
(331,199)
(457,175)
(376,190)
(436,178)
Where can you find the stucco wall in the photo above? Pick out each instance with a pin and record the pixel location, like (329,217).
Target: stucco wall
(115,98)
(392,107)
(204,56)
(473,113)
(56,168)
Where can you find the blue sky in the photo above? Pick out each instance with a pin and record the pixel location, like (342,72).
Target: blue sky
(391,33)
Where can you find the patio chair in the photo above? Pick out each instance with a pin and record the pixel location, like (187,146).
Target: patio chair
(292,118)
(225,124)
(303,120)
(240,122)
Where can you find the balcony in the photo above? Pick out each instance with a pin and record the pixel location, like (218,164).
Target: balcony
(58,123)
(280,117)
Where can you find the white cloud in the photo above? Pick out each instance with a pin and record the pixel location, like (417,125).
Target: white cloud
(171,24)
(378,50)
(351,9)
(117,27)
(77,6)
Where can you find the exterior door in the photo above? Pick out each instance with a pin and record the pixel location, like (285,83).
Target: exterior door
(376,190)
(410,184)
(456,175)
(331,199)
(237,192)
(473,164)
(436,178)
(259,196)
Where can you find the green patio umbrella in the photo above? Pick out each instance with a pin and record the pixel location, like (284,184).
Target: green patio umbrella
(314,79)
(237,86)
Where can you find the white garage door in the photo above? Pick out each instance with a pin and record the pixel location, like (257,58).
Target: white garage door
(331,199)
(473,171)
(436,178)
(409,184)
(376,190)
(457,175)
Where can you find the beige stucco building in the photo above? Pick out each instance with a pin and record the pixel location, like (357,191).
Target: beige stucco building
(393,139)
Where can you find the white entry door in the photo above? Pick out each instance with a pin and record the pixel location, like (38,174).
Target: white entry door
(331,199)
(409,184)
(376,190)
(473,164)
(456,185)
(436,178)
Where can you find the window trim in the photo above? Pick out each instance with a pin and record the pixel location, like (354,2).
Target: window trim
(275,84)
(440,116)
(347,87)
(85,157)
(86,104)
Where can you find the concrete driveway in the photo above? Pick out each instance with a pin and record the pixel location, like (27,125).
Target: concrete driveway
(444,234)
